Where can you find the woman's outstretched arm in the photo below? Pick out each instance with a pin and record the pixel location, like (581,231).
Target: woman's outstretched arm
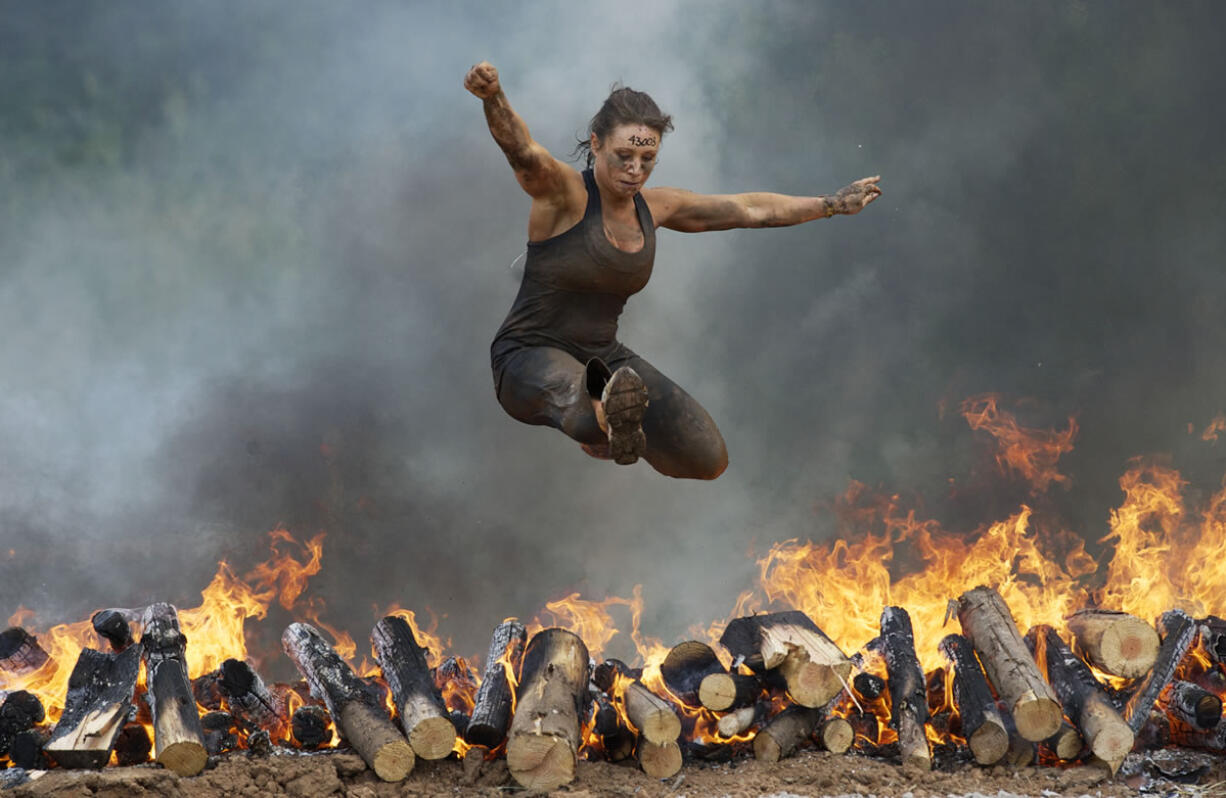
(678,209)
(538,172)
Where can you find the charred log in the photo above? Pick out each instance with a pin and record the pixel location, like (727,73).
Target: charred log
(686,671)
(868,686)
(495,698)
(982,726)
(1213,638)
(1116,642)
(133,745)
(178,739)
(219,732)
(311,726)
(423,715)
(908,699)
(206,689)
(605,674)
(20,652)
(544,738)
(20,710)
(1178,632)
(1193,705)
(652,716)
(115,627)
(249,700)
(359,716)
(99,700)
(26,749)
(988,624)
(785,732)
(814,668)
(1086,703)
(615,738)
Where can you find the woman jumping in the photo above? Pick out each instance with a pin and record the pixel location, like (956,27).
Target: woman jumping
(591,243)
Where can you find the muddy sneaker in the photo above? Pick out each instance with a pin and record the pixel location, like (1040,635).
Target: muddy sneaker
(625,402)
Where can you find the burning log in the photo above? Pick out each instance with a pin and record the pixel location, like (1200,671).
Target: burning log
(982,726)
(20,652)
(1213,638)
(26,749)
(605,674)
(494,701)
(219,734)
(423,715)
(836,735)
(813,666)
(868,686)
(1116,642)
(358,714)
(206,689)
(544,738)
(311,726)
(653,717)
(177,737)
(99,699)
(615,738)
(20,711)
(133,745)
(115,626)
(659,760)
(693,673)
(1178,632)
(1104,731)
(249,699)
(742,719)
(1193,705)
(785,732)
(908,699)
(988,624)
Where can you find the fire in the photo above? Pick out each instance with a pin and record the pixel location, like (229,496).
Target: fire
(1030,453)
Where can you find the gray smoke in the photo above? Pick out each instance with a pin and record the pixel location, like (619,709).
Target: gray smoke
(253,255)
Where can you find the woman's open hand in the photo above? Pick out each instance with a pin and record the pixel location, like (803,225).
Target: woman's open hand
(482,80)
(853,198)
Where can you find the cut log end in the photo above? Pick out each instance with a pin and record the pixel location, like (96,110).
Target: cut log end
(1037,718)
(1112,744)
(433,738)
(717,692)
(660,760)
(1129,648)
(765,749)
(837,735)
(989,743)
(186,757)
(812,684)
(540,761)
(394,761)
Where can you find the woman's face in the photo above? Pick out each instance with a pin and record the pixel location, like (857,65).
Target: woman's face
(623,160)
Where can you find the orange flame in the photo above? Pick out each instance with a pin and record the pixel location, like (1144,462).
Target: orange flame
(1030,453)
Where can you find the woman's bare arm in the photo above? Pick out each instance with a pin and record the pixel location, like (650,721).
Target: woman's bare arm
(678,209)
(538,172)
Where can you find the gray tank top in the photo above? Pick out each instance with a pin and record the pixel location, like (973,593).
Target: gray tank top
(576,283)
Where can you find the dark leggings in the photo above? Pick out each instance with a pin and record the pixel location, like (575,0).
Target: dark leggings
(544,385)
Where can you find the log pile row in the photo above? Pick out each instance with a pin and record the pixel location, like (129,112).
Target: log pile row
(780,685)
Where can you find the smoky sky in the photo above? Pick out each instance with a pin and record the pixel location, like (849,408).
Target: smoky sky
(253,255)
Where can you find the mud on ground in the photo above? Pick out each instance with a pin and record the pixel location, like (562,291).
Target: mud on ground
(808,774)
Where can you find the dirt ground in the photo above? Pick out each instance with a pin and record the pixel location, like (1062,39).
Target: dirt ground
(807,774)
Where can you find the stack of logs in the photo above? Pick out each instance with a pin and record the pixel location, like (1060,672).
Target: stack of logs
(542,702)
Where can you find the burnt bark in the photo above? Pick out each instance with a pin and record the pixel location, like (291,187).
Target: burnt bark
(492,707)
(908,698)
(982,726)
(20,652)
(686,667)
(423,715)
(99,699)
(1178,632)
(115,626)
(1193,705)
(249,700)
(814,668)
(311,726)
(178,739)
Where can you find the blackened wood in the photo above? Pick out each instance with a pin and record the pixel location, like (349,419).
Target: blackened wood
(686,666)
(219,732)
(544,741)
(259,743)
(115,627)
(206,689)
(982,726)
(654,718)
(19,711)
(908,698)
(616,740)
(1191,704)
(26,749)
(459,721)
(353,704)
(814,667)
(311,726)
(867,729)
(1178,632)
(1213,638)
(20,652)
(96,708)
(1115,642)
(419,704)
(494,702)
(178,740)
(784,733)
(868,686)
(659,760)
(605,674)
(988,624)
(250,701)
(1085,702)
(133,745)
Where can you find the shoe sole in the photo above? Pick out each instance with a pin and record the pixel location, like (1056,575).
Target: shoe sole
(625,404)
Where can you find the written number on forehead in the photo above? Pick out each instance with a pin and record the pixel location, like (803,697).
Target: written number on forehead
(638,141)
